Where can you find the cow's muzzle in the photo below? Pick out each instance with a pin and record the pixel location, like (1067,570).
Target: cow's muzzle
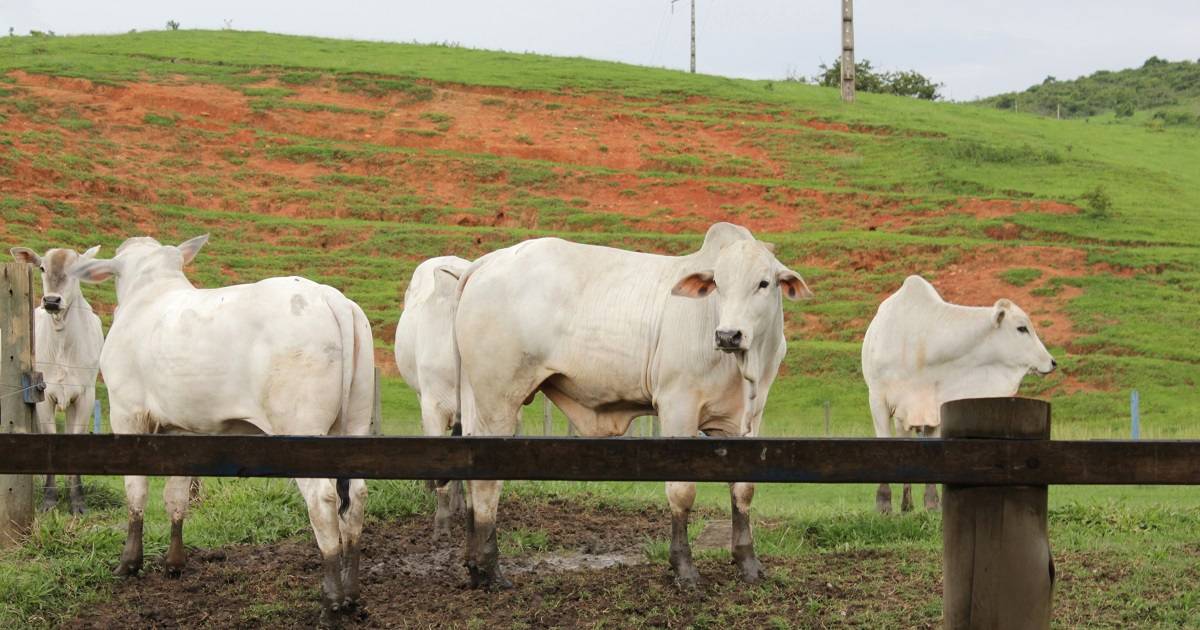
(1053,366)
(729,340)
(52,303)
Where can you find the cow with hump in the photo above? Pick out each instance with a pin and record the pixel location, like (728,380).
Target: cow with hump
(609,335)
(425,357)
(283,356)
(67,346)
(921,351)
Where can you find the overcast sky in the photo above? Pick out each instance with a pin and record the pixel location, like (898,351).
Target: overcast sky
(975,47)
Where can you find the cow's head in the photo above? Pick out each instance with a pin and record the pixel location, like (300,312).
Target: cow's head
(749,281)
(139,260)
(59,289)
(1015,343)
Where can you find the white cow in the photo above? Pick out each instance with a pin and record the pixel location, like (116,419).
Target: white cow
(609,335)
(284,356)
(921,351)
(67,342)
(425,357)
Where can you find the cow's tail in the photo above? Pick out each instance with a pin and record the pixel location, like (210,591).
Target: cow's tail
(354,330)
(457,429)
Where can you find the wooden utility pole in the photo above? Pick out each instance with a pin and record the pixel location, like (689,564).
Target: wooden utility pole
(996,561)
(16,378)
(693,36)
(848,51)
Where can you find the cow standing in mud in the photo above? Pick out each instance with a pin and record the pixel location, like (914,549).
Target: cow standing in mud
(426,360)
(67,343)
(921,351)
(284,356)
(609,335)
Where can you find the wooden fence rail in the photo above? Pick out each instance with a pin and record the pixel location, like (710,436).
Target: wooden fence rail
(953,461)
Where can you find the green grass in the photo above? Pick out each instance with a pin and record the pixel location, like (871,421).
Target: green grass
(355,226)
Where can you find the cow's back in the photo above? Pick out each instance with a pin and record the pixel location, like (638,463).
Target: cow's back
(193,359)
(590,314)
(424,347)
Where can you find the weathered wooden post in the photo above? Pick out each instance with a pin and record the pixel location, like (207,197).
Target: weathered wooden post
(16,412)
(377,409)
(848,51)
(997,569)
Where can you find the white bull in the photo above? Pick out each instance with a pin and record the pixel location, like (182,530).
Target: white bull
(609,335)
(425,357)
(921,351)
(67,342)
(284,356)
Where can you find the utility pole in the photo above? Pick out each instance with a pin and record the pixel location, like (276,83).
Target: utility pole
(693,64)
(693,36)
(848,51)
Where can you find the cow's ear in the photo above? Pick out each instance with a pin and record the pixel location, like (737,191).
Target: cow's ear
(92,270)
(191,247)
(770,247)
(999,311)
(792,285)
(695,285)
(90,253)
(26,255)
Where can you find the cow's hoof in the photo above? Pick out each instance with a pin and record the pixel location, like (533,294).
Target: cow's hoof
(173,571)
(488,580)
(933,506)
(687,578)
(883,507)
(128,568)
(78,509)
(47,505)
(752,571)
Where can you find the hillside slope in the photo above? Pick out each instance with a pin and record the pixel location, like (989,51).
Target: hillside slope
(1164,91)
(350,162)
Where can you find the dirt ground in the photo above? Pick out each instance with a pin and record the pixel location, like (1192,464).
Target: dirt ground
(592,571)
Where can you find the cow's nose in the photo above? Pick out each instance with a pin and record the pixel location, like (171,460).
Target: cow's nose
(1053,364)
(52,301)
(729,338)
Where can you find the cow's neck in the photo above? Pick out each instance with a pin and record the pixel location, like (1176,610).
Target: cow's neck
(754,363)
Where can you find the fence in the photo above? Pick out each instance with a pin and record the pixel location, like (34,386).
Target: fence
(996,462)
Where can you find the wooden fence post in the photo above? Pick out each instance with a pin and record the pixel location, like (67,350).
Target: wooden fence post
(377,409)
(16,415)
(997,569)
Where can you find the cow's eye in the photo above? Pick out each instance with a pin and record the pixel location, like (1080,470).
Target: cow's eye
(764,284)
(1023,329)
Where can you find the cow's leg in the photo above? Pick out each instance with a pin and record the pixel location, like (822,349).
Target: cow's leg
(483,555)
(681,495)
(434,421)
(176,496)
(47,426)
(906,504)
(742,545)
(135,499)
(351,528)
(78,415)
(320,495)
(458,500)
(881,414)
(883,499)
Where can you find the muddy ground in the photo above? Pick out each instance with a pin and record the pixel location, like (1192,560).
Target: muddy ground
(588,568)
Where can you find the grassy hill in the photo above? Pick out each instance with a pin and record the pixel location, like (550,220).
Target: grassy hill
(1160,92)
(350,162)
